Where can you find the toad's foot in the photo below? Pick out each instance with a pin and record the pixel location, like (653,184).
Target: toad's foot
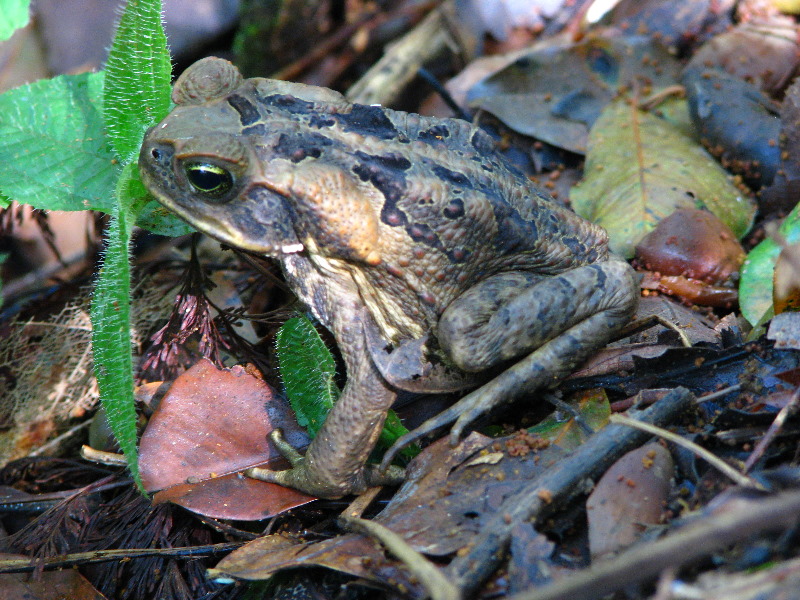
(305,477)
(541,369)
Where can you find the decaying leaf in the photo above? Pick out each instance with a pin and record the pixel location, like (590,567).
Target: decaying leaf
(770,60)
(790,132)
(692,255)
(49,585)
(694,243)
(593,409)
(627,498)
(556,92)
(676,23)
(46,374)
(639,170)
(736,122)
(212,424)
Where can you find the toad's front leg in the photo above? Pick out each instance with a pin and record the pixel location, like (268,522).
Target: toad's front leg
(554,323)
(335,463)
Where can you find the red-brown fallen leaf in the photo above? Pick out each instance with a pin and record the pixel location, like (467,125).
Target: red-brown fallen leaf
(692,243)
(49,585)
(627,498)
(694,256)
(699,292)
(233,497)
(214,423)
(352,554)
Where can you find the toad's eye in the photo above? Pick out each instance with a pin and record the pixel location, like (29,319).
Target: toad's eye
(208,179)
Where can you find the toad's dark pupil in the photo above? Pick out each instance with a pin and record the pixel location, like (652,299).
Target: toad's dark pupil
(209,179)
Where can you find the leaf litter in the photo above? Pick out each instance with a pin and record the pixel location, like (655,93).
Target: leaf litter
(452,495)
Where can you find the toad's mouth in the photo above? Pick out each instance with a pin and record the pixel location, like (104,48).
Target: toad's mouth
(256,238)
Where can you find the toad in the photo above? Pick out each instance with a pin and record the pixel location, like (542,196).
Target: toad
(436,264)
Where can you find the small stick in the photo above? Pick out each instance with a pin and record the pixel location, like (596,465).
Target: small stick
(716,462)
(775,427)
(556,486)
(431,578)
(24,565)
(738,522)
(111,459)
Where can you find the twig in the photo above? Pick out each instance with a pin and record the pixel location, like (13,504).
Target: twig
(774,429)
(293,70)
(102,457)
(384,81)
(719,393)
(648,322)
(716,462)
(361,502)
(55,443)
(369,22)
(431,578)
(24,565)
(643,562)
(653,100)
(555,487)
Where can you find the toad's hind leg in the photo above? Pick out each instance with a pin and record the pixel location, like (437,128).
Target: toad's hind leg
(553,323)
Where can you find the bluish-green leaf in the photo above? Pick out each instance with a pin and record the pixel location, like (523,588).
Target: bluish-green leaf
(53,149)
(138,69)
(13,15)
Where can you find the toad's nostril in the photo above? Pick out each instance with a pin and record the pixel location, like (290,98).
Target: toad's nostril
(155,153)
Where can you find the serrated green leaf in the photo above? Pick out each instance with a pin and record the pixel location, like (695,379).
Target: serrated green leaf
(53,149)
(135,95)
(756,283)
(14,14)
(111,336)
(639,170)
(308,370)
(138,71)
(393,429)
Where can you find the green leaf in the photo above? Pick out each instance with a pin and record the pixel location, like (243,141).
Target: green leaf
(308,370)
(594,410)
(639,170)
(53,149)
(393,429)
(136,93)
(14,14)
(154,217)
(150,214)
(756,283)
(138,70)
(111,335)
